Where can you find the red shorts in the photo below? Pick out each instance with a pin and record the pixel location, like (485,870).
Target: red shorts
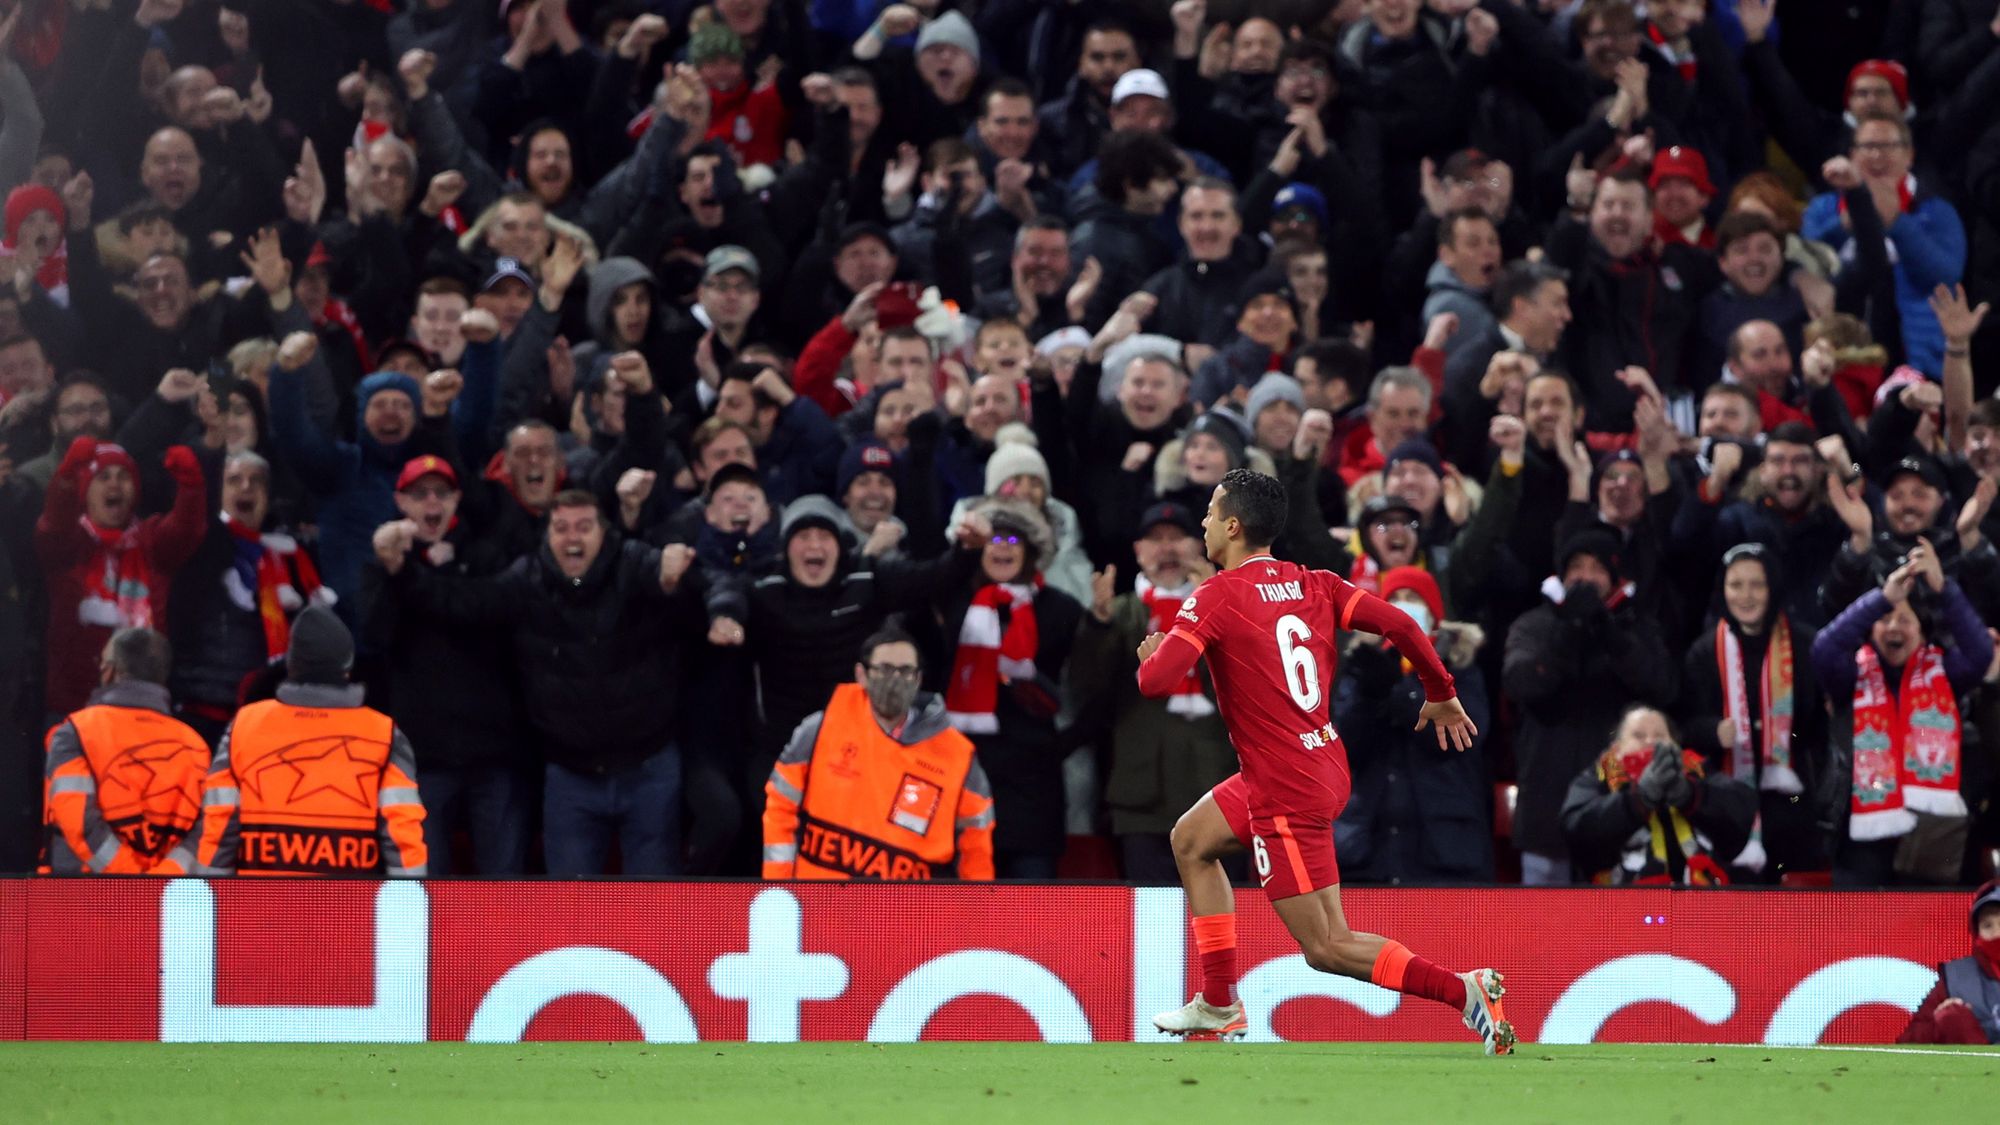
(1293,852)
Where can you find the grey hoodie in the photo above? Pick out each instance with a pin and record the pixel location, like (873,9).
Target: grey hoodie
(606,279)
(1448,293)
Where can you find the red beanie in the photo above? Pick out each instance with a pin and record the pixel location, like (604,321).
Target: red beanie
(1419,582)
(105,455)
(26,200)
(1890,72)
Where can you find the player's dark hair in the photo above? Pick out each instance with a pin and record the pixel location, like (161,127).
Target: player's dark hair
(1257,502)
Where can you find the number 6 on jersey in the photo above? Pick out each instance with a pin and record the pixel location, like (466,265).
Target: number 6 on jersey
(1301,670)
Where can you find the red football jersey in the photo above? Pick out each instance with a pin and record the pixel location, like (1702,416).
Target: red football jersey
(1268,631)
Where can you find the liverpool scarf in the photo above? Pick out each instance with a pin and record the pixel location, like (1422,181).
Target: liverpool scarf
(270,576)
(1162,606)
(1668,849)
(991,653)
(1771,764)
(118,580)
(1906,748)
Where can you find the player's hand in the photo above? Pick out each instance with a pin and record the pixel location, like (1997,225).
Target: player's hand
(1455,728)
(1151,645)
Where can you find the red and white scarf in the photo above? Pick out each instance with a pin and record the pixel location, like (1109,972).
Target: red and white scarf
(1162,606)
(336,311)
(119,580)
(1906,749)
(990,654)
(1770,763)
(284,579)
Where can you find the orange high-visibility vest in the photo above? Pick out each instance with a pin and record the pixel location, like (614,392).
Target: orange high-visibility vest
(311,791)
(865,806)
(142,771)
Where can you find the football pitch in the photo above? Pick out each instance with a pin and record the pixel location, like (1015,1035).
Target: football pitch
(969,1083)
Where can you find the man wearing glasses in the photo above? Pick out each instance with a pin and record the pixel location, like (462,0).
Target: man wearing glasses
(879,786)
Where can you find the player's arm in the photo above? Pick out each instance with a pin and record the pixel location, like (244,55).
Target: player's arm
(1165,659)
(1364,612)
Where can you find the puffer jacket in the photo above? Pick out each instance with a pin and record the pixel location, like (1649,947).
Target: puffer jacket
(598,655)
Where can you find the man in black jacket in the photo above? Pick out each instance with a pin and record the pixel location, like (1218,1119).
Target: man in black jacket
(597,623)
(452,689)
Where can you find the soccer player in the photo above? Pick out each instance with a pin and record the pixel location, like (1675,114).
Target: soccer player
(1267,628)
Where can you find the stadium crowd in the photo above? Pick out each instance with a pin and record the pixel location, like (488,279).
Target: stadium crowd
(587,382)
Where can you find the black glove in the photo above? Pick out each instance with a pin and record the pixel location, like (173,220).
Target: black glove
(1583,606)
(1663,778)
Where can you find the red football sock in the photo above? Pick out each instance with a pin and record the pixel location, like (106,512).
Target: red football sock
(1215,940)
(1398,969)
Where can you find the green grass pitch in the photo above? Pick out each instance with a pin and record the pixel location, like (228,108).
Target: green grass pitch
(971,1083)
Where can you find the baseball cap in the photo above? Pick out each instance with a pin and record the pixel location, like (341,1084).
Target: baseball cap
(1923,468)
(1168,512)
(1383,503)
(1300,195)
(722,259)
(504,269)
(732,473)
(1140,81)
(417,468)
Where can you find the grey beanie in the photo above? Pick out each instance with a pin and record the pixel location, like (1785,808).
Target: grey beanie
(1274,387)
(810,511)
(322,650)
(951,30)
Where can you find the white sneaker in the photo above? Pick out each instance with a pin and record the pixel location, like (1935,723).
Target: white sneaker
(1201,1020)
(1483,1012)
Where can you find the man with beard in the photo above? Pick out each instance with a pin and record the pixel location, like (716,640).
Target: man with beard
(1074,124)
(1751,252)
(827,823)
(1165,753)
(1784,507)
(1573,665)
(1040,273)
(81,408)
(1913,506)
(1635,301)
(805,624)
(452,687)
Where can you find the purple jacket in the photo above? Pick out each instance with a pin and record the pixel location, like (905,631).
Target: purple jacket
(1965,662)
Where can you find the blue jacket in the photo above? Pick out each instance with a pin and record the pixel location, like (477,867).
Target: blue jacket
(354,482)
(1929,247)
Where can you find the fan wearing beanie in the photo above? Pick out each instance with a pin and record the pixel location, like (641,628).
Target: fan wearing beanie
(354,807)
(35,222)
(1017,472)
(1190,466)
(107,568)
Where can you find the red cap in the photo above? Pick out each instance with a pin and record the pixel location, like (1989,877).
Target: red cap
(427,465)
(318,256)
(1417,581)
(28,199)
(1890,72)
(1683,162)
(106,455)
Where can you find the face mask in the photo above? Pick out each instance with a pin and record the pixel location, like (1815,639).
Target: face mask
(1987,951)
(1419,612)
(892,695)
